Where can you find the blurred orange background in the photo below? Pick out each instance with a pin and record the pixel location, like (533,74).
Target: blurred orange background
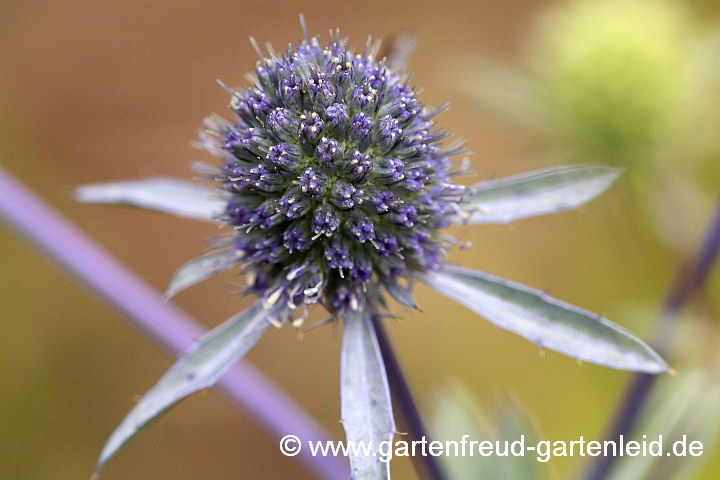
(95,91)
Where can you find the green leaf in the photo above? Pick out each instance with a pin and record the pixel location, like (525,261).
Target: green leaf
(540,192)
(683,406)
(366,408)
(546,321)
(512,423)
(455,415)
(401,294)
(201,268)
(176,197)
(203,365)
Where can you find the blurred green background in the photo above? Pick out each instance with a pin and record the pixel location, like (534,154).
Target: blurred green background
(94,91)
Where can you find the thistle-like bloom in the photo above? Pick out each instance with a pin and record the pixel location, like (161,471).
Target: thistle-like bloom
(336,184)
(337,177)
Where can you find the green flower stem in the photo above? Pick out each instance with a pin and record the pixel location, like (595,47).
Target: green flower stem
(403,396)
(686,283)
(165,323)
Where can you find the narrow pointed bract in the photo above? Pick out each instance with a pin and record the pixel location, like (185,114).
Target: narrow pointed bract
(199,269)
(198,369)
(545,321)
(540,192)
(365,395)
(177,197)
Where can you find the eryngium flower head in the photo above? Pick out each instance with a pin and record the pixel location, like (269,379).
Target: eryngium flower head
(338,181)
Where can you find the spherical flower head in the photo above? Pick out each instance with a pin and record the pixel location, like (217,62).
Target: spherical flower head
(337,179)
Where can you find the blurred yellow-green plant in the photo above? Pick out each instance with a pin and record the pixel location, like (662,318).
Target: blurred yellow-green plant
(682,408)
(634,84)
(456,413)
(615,73)
(630,83)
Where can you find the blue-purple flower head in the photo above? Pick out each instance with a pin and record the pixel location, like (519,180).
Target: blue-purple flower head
(339,182)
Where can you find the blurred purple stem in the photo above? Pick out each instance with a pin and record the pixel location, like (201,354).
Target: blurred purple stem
(687,282)
(404,399)
(167,324)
